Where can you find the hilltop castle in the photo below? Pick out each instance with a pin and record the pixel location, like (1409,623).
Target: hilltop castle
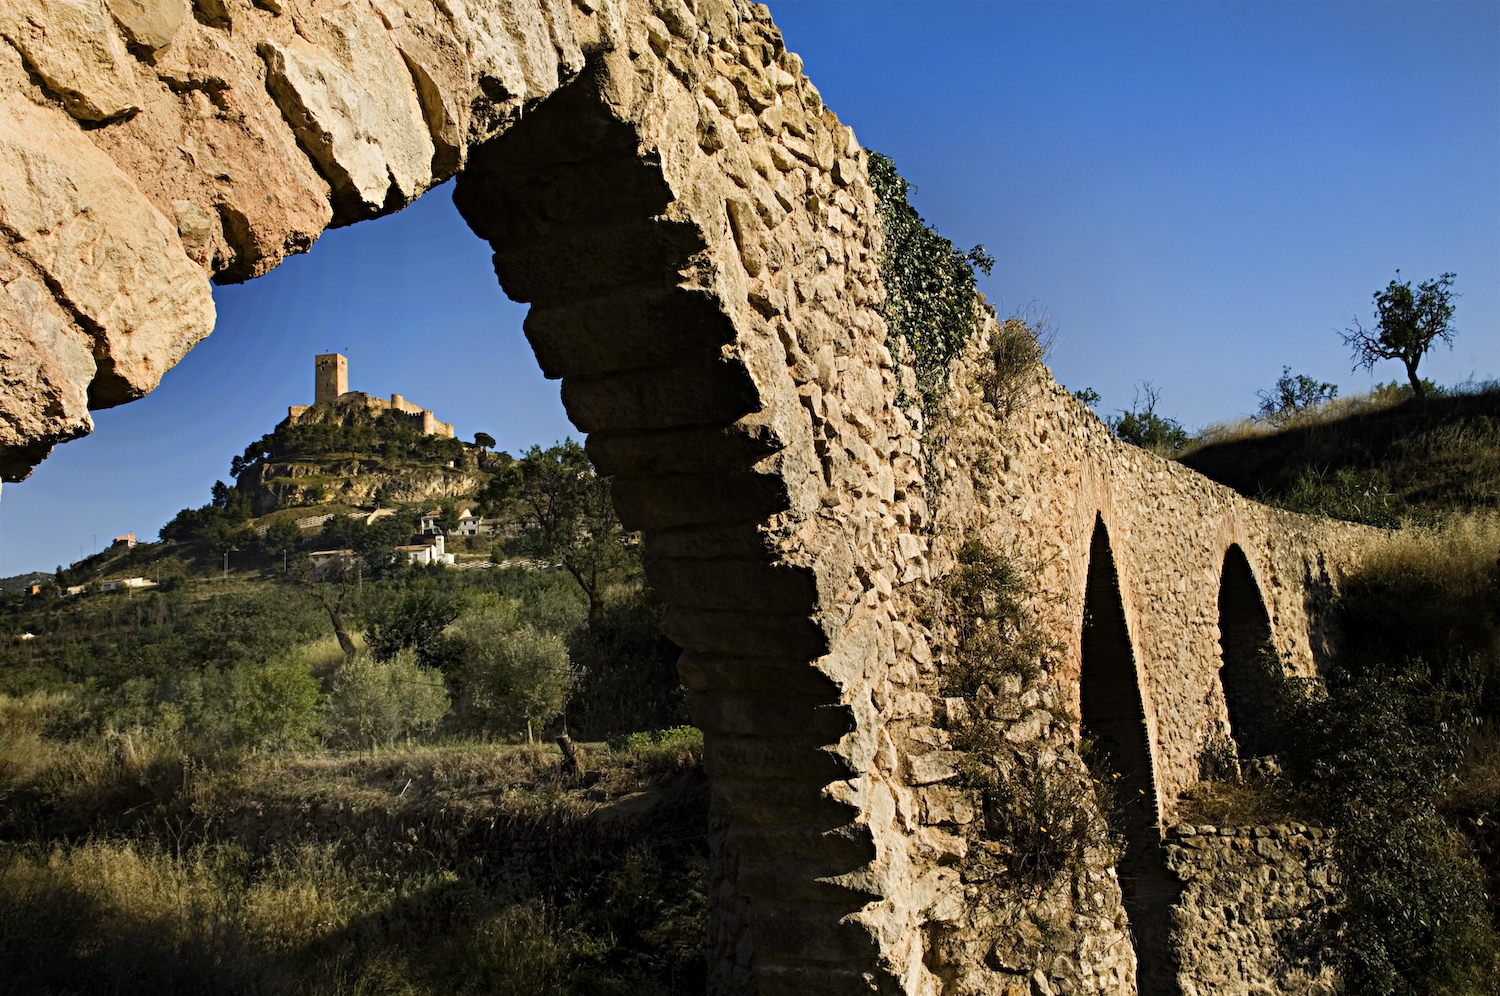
(331,387)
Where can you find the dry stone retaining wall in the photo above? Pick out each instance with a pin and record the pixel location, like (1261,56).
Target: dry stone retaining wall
(697,238)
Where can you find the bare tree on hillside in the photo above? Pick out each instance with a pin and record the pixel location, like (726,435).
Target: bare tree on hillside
(331,584)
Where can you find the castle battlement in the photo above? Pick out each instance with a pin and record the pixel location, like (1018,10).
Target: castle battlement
(331,386)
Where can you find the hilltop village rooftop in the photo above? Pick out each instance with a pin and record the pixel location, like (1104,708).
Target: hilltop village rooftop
(331,387)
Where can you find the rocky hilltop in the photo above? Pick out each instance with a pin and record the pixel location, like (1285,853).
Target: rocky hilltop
(349,452)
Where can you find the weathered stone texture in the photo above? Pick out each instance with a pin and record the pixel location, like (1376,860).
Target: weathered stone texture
(698,241)
(1260,910)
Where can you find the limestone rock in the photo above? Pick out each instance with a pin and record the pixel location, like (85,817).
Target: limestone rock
(149,24)
(73,46)
(114,261)
(191,142)
(350,102)
(46,364)
(431,43)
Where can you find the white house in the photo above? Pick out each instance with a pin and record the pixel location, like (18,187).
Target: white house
(427,553)
(469,524)
(322,559)
(123,584)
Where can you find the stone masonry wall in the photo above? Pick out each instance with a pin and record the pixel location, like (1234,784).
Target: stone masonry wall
(1259,912)
(695,233)
(1030,474)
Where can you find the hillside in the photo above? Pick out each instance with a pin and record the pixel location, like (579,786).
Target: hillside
(349,452)
(1376,463)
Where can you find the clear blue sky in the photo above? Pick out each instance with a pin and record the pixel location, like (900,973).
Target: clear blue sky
(1194,193)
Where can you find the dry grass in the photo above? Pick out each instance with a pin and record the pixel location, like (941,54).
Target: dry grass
(1380,459)
(1458,551)
(1337,410)
(1251,802)
(459,867)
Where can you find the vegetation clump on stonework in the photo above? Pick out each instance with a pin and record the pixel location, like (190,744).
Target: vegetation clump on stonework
(931,302)
(1015,347)
(1042,815)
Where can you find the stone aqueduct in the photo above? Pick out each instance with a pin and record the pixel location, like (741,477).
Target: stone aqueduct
(697,238)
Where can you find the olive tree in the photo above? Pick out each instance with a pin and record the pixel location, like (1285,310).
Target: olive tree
(566,515)
(1407,325)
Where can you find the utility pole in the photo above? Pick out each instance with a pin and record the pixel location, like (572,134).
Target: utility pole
(226,563)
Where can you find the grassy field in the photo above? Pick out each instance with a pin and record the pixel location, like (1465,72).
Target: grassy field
(129,865)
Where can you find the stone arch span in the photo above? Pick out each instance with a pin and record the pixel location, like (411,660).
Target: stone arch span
(696,235)
(638,305)
(1245,671)
(1113,716)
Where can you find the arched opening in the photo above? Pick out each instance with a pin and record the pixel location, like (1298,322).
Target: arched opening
(1115,720)
(1244,645)
(623,310)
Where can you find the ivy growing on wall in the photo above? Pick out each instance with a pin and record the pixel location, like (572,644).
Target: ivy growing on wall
(929,286)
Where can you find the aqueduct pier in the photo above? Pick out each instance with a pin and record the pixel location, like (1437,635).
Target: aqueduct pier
(697,238)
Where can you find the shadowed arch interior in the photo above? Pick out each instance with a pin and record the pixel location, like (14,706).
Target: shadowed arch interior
(1246,671)
(583,228)
(1114,718)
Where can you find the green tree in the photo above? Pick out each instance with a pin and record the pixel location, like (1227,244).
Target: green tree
(273,704)
(1087,396)
(1407,325)
(283,536)
(1142,427)
(1292,395)
(484,440)
(331,586)
(415,621)
(512,675)
(567,516)
(377,702)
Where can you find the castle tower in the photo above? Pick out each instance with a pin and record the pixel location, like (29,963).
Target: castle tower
(330,377)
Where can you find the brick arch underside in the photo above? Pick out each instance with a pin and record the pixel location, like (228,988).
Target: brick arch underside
(1114,717)
(582,228)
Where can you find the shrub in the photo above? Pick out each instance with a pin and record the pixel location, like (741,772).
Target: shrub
(987,598)
(1379,739)
(1048,818)
(930,297)
(1348,494)
(273,704)
(511,674)
(375,702)
(1015,347)
(627,669)
(416,621)
(1293,396)
(1142,427)
(249,705)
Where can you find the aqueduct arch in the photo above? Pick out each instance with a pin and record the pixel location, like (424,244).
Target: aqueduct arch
(1113,715)
(697,237)
(1244,637)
